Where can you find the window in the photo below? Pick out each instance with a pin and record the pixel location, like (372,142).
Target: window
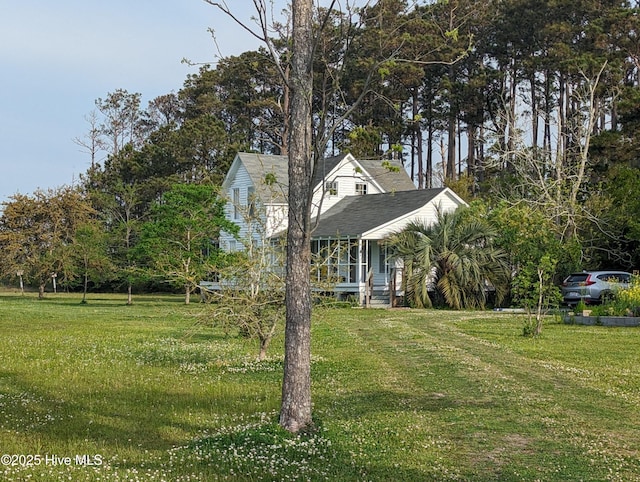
(209,247)
(334,260)
(615,278)
(332,188)
(236,203)
(251,201)
(361,188)
(233,246)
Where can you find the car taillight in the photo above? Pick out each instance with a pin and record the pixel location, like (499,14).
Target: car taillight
(589,281)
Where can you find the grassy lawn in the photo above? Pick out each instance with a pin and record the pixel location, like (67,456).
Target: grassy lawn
(399,395)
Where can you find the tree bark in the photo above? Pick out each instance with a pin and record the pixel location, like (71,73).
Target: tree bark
(451,133)
(295,413)
(417,140)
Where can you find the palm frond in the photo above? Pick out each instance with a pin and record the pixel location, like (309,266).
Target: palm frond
(455,256)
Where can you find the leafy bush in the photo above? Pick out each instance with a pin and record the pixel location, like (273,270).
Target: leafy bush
(629,298)
(624,302)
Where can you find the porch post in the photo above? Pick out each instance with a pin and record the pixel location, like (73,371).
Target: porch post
(362,270)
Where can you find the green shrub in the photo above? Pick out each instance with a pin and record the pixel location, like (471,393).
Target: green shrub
(629,299)
(624,302)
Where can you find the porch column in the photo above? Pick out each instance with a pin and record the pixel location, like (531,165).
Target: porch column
(362,270)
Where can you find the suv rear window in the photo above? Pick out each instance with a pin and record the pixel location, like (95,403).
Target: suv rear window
(577,278)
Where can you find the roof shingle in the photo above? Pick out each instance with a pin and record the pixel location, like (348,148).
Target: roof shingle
(390,175)
(355,215)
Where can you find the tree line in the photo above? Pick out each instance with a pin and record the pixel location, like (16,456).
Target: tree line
(528,109)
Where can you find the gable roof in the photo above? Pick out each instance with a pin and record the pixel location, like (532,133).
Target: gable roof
(258,166)
(326,165)
(356,215)
(389,175)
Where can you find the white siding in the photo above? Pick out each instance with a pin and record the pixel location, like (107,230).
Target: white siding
(276,213)
(242,182)
(346,175)
(277,218)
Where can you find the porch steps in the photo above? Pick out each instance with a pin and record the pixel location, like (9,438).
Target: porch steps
(379,299)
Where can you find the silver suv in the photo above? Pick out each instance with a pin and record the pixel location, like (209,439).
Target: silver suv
(593,286)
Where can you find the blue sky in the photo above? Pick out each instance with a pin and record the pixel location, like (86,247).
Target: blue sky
(56,58)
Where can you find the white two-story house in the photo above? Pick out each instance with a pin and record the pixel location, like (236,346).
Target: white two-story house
(356,204)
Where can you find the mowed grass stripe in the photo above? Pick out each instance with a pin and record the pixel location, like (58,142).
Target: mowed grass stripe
(496,403)
(398,395)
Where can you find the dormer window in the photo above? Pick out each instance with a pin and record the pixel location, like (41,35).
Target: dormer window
(361,188)
(332,188)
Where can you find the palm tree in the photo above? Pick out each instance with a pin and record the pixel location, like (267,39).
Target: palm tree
(453,260)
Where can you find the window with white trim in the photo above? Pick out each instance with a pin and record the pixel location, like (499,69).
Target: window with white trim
(331,187)
(251,201)
(334,260)
(236,202)
(361,188)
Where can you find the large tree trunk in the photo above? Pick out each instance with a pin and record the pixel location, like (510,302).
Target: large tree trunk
(511,125)
(430,135)
(451,133)
(295,413)
(472,168)
(417,141)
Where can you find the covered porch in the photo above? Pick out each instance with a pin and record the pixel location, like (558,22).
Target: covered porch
(353,266)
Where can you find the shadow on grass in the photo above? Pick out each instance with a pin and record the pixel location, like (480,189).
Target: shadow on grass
(140,417)
(135,419)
